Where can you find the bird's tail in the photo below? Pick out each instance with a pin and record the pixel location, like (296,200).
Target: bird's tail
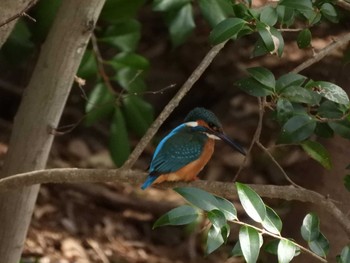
(150,179)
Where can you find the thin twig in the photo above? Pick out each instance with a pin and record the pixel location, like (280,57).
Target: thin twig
(262,231)
(196,74)
(135,178)
(256,136)
(20,14)
(277,164)
(323,52)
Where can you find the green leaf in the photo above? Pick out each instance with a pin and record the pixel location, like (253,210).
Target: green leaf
(272,222)
(266,36)
(225,30)
(130,79)
(284,109)
(214,239)
(100,104)
(299,94)
(136,118)
(285,251)
(236,251)
(253,87)
(227,208)
(217,218)
(347,182)
(345,255)
(250,243)
(278,41)
(119,146)
(272,246)
(181,215)
(251,202)
(88,65)
(297,129)
(320,245)
(115,11)
(259,49)
(269,15)
(166,5)
(317,152)
(131,60)
(286,15)
(329,109)
(215,11)
(310,230)
(263,76)
(329,12)
(341,127)
(331,92)
(289,79)
(180,24)
(304,38)
(323,130)
(124,35)
(198,198)
(300,5)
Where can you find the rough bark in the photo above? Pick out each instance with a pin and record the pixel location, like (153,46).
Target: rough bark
(10,8)
(41,108)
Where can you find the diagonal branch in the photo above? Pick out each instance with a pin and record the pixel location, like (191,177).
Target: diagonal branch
(197,73)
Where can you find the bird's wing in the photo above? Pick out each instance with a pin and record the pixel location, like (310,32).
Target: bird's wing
(175,152)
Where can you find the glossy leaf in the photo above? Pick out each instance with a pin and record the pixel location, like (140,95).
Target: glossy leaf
(285,251)
(253,87)
(266,36)
(272,221)
(88,65)
(119,146)
(214,239)
(217,218)
(225,30)
(284,109)
(278,41)
(331,92)
(100,104)
(131,60)
(272,246)
(317,152)
(259,49)
(130,79)
(124,35)
(250,243)
(181,215)
(329,109)
(347,182)
(136,117)
(341,127)
(166,5)
(324,130)
(215,11)
(269,15)
(329,12)
(286,15)
(300,5)
(345,255)
(115,11)
(320,245)
(236,251)
(304,38)
(198,198)
(227,208)
(289,79)
(263,76)
(299,94)
(180,24)
(310,229)
(297,129)
(251,202)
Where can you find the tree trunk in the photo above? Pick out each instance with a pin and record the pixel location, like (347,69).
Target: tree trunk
(10,8)
(41,108)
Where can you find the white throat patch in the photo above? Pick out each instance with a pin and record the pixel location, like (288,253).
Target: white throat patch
(191,124)
(212,136)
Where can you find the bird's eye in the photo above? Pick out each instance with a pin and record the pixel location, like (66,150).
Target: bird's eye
(212,126)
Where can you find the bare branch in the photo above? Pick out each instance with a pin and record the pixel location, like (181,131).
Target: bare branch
(22,13)
(134,177)
(324,52)
(197,73)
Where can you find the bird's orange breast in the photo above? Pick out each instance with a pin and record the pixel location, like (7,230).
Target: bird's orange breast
(190,171)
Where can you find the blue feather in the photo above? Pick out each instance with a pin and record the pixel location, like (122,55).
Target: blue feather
(149,181)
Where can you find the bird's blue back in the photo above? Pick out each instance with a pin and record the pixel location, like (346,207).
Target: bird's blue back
(179,148)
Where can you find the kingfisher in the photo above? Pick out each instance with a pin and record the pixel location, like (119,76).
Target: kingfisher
(184,152)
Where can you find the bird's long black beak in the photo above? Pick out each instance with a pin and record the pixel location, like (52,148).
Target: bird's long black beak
(230,142)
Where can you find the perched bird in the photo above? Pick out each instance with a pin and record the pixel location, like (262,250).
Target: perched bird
(184,152)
